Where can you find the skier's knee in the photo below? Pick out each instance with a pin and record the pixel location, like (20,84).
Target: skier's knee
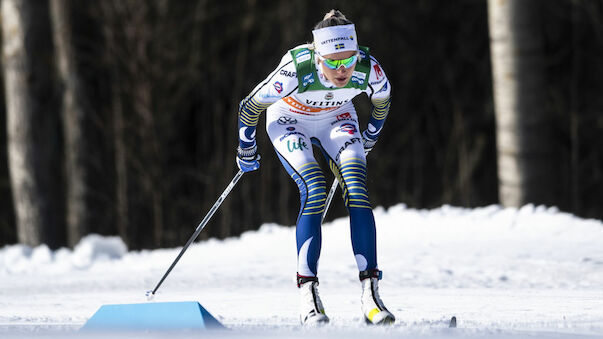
(312,189)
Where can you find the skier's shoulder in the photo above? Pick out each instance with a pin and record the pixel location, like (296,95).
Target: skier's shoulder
(286,72)
(377,76)
(286,65)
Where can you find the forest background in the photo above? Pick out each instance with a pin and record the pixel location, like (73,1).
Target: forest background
(120,116)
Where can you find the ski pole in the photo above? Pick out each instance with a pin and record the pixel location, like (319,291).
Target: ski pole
(329,199)
(198,230)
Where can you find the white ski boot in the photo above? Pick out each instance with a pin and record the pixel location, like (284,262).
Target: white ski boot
(311,311)
(373,309)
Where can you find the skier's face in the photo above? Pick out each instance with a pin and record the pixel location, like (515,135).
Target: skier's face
(342,75)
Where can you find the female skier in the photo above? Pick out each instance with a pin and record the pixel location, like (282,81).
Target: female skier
(308,99)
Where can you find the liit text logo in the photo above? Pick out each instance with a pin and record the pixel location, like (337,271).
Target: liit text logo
(300,144)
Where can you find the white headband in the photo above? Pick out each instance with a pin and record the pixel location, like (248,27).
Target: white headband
(335,39)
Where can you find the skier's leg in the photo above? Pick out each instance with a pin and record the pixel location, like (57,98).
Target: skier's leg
(291,140)
(341,144)
(342,147)
(311,183)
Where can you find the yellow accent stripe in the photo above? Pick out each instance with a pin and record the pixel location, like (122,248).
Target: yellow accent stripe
(313,213)
(321,206)
(372,313)
(252,122)
(359,206)
(355,160)
(308,166)
(323,194)
(360,176)
(317,171)
(380,100)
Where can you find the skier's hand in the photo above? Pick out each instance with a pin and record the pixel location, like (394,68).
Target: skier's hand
(248,158)
(368,142)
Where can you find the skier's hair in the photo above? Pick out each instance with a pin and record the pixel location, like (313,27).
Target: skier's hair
(333,18)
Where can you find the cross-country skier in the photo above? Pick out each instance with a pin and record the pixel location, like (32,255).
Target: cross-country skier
(308,99)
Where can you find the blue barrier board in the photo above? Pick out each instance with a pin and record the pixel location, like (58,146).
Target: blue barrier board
(164,316)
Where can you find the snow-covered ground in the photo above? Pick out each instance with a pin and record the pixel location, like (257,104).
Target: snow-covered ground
(503,272)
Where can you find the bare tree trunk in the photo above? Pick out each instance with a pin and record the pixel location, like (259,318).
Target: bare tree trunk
(121,169)
(526,167)
(78,213)
(111,22)
(32,123)
(131,39)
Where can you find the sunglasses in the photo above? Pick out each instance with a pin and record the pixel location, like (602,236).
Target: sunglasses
(335,64)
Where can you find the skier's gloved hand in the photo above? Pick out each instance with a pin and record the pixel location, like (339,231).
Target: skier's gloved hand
(368,142)
(248,158)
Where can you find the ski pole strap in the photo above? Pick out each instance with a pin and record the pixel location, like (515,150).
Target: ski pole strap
(370,274)
(302,280)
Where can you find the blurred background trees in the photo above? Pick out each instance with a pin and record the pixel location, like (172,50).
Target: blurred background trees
(119,116)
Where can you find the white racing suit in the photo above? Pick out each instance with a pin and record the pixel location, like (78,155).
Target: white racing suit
(305,109)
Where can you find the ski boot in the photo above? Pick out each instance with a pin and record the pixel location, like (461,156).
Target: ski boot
(311,311)
(373,309)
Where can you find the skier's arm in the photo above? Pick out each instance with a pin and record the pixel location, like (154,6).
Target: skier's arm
(280,83)
(379,91)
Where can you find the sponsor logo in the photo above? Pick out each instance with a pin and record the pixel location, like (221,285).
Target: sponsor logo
(278,86)
(379,76)
(362,54)
(336,39)
(377,82)
(302,56)
(329,96)
(269,96)
(286,121)
(308,79)
(290,131)
(347,128)
(384,88)
(300,144)
(288,73)
(344,116)
(325,103)
(378,71)
(358,77)
(345,146)
(339,46)
(289,134)
(298,112)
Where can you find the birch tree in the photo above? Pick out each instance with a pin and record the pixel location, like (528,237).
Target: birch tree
(526,170)
(73,117)
(32,122)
